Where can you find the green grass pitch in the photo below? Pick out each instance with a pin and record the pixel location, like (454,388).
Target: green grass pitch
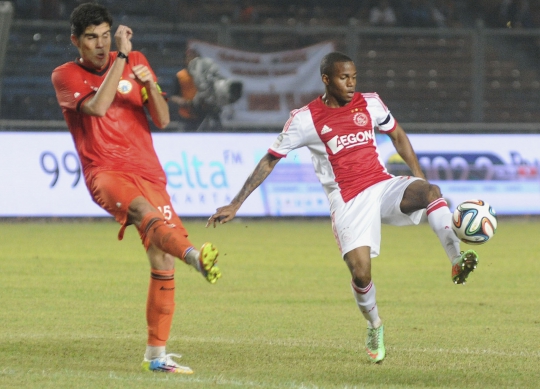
(283,316)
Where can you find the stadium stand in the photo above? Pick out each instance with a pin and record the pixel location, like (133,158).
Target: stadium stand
(424,75)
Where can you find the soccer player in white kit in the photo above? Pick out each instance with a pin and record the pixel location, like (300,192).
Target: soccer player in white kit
(339,130)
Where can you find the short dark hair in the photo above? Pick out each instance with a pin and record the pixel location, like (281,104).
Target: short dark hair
(328,61)
(88,14)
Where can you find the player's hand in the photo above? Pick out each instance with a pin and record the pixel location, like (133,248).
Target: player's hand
(142,74)
(122,37)
(222,215)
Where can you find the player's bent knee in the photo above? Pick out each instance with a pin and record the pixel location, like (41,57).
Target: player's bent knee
(434,193)
(138,209)
(361,279)
(419,195)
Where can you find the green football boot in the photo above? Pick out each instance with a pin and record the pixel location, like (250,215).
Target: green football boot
(375,344)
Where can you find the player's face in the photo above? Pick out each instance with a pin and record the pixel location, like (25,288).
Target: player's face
(341,83)
(94,45)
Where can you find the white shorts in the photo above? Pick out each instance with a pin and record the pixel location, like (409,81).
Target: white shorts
(357,223)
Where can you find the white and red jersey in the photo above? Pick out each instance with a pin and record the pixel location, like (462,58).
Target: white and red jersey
(341,140)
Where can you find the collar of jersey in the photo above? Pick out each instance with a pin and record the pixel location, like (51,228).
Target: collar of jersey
(93,71)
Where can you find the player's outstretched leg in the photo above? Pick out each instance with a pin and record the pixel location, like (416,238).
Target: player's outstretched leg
(165,364)
(440,220)
(463,265)
(375,344)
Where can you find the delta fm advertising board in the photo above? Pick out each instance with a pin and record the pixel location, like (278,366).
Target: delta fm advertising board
(41,174)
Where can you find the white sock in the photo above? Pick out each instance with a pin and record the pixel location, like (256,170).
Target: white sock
(153,352)
(440,221)
(192,258)
(365,299)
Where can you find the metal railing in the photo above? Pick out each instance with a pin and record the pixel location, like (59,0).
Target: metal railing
(469,75)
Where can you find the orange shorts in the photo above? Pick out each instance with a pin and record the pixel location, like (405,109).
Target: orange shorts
(114,191)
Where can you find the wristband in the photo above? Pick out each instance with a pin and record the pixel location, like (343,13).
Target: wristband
(122,55)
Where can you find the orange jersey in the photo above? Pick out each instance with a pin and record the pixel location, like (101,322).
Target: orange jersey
(120,140)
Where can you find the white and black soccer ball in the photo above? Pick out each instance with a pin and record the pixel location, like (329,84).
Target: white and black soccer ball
(474,222)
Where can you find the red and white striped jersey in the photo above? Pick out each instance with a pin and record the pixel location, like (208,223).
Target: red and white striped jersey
(341,140)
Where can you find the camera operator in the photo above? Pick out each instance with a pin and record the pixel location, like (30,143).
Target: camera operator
(202,92)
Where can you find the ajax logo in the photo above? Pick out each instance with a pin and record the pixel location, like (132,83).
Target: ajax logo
(124,86)
(360,119)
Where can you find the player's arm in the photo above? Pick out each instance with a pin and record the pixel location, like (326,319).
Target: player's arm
(404,148)
(156,104)
(262,170)
(102,100)
(158,107)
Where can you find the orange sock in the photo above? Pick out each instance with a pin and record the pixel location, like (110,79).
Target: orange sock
(172,239)
(160,306)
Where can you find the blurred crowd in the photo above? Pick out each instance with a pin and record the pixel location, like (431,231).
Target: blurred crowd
(400,13)
(508,13)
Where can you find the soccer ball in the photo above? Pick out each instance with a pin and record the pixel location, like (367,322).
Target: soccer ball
(474,222)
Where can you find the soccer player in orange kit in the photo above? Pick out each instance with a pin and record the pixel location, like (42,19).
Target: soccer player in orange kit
(102,95)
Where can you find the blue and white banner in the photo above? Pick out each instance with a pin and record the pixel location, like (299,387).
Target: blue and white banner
(41,175)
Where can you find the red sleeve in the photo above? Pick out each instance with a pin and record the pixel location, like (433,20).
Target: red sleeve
(276,154)
(71,89)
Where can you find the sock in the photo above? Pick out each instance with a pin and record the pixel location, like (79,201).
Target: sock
(440,221)
(153,352)
(154,229)
(365,299)
(192,258)
(160,306)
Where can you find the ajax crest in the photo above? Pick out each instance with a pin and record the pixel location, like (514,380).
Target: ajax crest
(360,119)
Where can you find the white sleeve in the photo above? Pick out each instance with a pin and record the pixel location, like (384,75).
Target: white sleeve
(294,133)
(380,114)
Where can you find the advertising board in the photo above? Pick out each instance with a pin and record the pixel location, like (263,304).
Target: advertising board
(41,174)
